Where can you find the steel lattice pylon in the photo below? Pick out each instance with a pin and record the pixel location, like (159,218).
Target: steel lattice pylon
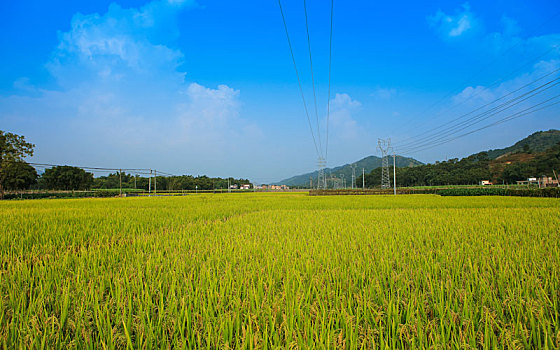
(321,178)
(384,146)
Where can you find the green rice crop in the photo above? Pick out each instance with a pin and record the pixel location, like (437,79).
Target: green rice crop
(266,271)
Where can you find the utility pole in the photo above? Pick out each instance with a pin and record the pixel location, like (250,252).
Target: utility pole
(150,183)
(363,178)
(353,175)
(120,182)
(394,173)
(310,183)
(155,182)
(228,186)
(135,177)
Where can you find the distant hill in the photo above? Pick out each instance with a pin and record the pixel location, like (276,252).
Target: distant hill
(537,142)
(521,152)
(367,163)
(534,156)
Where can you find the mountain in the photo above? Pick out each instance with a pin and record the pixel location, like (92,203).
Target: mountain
(367,163)
(537,142)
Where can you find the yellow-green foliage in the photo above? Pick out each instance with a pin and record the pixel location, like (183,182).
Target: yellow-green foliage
(280,270)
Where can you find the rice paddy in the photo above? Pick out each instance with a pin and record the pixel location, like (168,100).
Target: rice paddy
(267,271)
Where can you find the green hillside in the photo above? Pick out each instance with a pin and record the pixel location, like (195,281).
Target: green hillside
(367,163)
(534,156)
(536,142)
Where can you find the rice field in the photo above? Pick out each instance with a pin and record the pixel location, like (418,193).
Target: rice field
(267,271)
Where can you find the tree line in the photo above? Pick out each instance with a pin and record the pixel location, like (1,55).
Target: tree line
(16,174)
(471,170)
(165,183)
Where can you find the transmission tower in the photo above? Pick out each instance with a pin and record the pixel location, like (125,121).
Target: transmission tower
(384,146)
(321,178)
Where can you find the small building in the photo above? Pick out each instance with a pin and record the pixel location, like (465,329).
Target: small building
(245,187)
(544,181)
(486,183)
(547,181)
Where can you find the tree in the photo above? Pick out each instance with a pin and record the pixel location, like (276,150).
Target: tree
(18,176)
(13,148)
(67,178)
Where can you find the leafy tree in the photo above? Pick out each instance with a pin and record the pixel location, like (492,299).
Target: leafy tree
(13,148)
(67,178)
(18,175)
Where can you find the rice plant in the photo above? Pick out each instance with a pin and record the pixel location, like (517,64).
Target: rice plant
(267,271)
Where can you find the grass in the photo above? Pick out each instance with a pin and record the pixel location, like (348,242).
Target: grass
(280,271)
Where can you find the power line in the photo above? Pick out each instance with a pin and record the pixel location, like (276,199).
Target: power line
(472,96)
(298,78)
(514,116)
(486,66)
(500,80)
(329,89)
(166,174)
(481,116)
(501,121)
(444,135)
(141,171)
(312,76)
(89,167)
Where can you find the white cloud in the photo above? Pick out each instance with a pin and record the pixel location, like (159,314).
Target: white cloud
(384,93)
(344,126)
(122,43)
(453,26)
(505,54)
(539,73)
(480,93)
(511,28)
(483,105)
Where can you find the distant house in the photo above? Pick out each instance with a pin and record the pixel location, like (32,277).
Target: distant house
(233,187)
(486,183)
(245,187)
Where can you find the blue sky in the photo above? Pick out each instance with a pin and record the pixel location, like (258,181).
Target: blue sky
(209,87)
